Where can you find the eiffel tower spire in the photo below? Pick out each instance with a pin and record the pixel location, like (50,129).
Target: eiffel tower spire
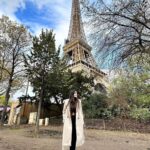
(76,30)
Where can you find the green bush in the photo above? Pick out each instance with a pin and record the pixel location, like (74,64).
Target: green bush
(96,106)
(118,111)
(106,114)
(140,114)
(115,110)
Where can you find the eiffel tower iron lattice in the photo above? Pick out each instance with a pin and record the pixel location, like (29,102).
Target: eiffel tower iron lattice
(77,48)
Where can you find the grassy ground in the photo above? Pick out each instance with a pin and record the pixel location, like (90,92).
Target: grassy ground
(22,138)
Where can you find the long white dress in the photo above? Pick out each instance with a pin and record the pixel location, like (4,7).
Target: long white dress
(67,125)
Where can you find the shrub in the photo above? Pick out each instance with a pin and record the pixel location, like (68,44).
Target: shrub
(96,106)
(140,114)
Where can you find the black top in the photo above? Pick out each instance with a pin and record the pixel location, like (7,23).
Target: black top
(73,110)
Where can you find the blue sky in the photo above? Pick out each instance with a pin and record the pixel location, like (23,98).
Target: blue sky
(38,14)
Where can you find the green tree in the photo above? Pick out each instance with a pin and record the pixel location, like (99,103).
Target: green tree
(2,100)
(38,65)
(131,88)
(96,106)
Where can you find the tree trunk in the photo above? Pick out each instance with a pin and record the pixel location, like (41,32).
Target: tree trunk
(7,96)
(39,108)
(59,105)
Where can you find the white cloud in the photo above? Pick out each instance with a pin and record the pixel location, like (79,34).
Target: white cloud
(61,33)
(49,3)
(21,92)
(61,9)
(9,7)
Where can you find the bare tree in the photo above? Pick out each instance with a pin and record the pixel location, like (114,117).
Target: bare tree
(14,42)
(120,29)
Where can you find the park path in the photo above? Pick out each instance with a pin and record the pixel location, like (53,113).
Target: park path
(50,139)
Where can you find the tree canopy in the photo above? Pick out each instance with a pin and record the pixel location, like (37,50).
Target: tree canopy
(120,29)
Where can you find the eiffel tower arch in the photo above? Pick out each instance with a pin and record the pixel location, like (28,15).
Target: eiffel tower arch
(79,51)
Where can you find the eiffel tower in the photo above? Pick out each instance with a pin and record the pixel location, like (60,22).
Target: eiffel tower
(77,49)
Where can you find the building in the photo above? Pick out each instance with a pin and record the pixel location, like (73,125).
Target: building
(25,112)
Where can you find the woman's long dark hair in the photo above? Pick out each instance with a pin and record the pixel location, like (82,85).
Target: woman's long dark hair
(73,100)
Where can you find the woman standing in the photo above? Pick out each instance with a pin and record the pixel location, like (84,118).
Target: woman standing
(73,121)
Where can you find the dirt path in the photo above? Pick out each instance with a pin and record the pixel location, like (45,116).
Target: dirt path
(50,139)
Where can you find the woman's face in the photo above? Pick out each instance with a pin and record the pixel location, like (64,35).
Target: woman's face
(75,94)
